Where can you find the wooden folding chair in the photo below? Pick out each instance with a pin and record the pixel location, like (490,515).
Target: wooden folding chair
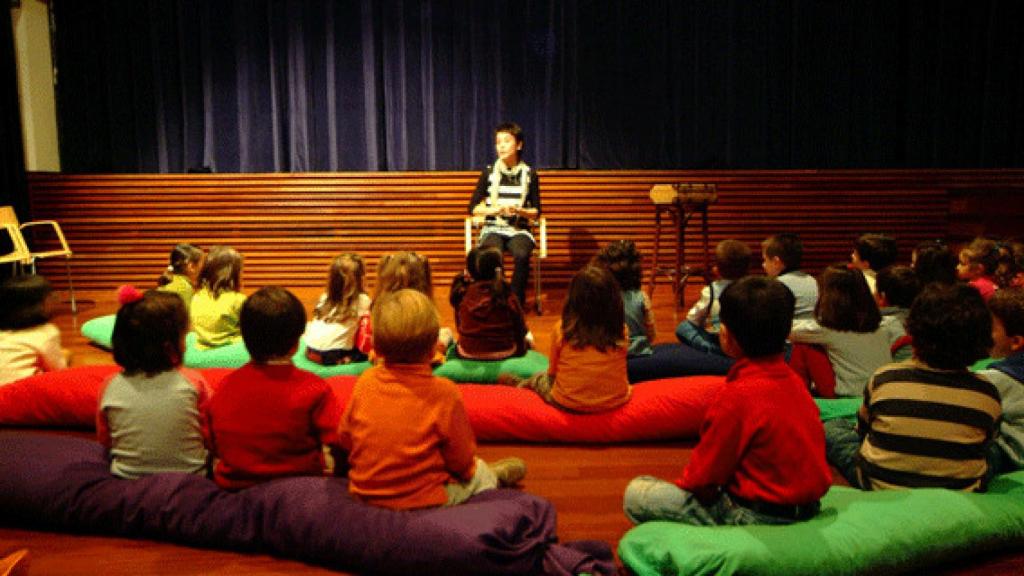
(23,255)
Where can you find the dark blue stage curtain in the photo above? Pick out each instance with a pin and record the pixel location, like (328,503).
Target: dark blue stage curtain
(305,85)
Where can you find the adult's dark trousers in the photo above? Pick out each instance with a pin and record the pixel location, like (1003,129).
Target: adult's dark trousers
(520,246)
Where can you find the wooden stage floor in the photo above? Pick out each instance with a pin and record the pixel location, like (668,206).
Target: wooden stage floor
(585,483)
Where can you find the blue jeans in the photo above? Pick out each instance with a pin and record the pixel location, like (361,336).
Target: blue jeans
(648,498)
(698,338)
(842,443)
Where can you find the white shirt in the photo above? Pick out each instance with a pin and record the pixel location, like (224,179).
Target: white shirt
(29,351)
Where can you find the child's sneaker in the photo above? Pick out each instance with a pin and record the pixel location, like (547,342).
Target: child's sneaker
(509,471)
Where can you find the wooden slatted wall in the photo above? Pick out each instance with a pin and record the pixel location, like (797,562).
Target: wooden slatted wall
(289,226)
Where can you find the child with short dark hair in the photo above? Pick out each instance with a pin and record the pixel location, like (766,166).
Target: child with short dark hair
(978,263)
(331,336)
(873,253)
(1007,374)
(933,261)
(408,438)
(152,415)
(897,286)
(182,273)
(489,318)
(700,329)
(760,459)
(782,256)
(622,259)
(29,342)
(587,364)
(269,419)
(218,303)
(847,324)
(926,422)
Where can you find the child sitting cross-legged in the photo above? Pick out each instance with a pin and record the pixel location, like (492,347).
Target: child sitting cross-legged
(489,317)
(926,422)
(761,454)
(269,419)
(1007,307)
(700,329)
(152,416)
(29,342)
(847,327)
(406,431)
(587,367)
(622,259)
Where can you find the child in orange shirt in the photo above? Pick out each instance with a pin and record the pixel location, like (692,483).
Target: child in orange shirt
(587,366)
(408,437)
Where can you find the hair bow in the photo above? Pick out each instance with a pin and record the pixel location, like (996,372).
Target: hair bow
(127,294)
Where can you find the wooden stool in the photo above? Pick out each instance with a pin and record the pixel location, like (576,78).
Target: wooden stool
(678,203)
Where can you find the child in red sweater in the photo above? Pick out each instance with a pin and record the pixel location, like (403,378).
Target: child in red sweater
(409,440)
(268,419)
(761,455)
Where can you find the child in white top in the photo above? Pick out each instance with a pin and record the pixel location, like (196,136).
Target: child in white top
(700,329)
(152,416)
(782,256)
(331,336)
(29,343)
(871,254)
(847,324)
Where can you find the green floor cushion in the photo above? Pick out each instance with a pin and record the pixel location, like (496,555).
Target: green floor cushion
(353,369)
(982,364)
(99,330)
(233,355)
(855,533)
(832,408)
(486,371)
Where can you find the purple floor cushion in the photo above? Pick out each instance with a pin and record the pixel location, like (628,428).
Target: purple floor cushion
(62,483)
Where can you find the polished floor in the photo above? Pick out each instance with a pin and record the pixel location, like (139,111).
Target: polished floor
(585,483)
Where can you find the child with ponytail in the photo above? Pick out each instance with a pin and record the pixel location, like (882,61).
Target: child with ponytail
(182,273)
(489,316)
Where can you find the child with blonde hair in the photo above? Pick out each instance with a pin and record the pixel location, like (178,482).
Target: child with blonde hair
(152,416)
(331,336)
(489,317)
(218,303)
(587,367)
(182,273)
(408,438)
(29,342)
(408,269)
(977,266)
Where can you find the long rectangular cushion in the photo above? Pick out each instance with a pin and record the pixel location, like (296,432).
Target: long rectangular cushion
(856,533)
(62,483)
(659,410)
